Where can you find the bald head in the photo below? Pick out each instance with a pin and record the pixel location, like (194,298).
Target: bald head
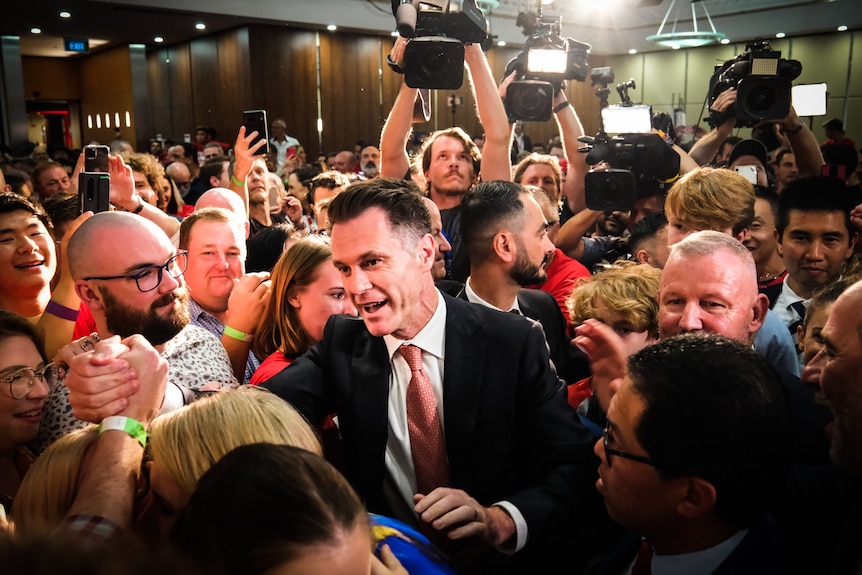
(178,172)
(88,241)
(226,199)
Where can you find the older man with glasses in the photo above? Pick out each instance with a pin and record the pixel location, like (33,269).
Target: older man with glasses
(131,277)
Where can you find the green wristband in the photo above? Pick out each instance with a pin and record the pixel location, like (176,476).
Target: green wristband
(237,334)
(131,426)
(236,181)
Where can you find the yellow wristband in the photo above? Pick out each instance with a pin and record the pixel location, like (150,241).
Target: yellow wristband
(237,334)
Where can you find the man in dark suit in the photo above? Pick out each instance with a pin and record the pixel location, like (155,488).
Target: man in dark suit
(822,512)
(695,493)
(517,459)
(506,236)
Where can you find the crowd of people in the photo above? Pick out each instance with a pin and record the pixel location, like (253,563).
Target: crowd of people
(435,359)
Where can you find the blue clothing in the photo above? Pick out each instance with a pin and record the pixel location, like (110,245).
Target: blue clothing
(773,342)
(415,552)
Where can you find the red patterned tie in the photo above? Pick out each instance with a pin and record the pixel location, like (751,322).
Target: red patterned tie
(426,435)
(643,560)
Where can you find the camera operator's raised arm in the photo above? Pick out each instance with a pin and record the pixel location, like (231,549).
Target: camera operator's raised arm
(394,161)
(571,129)
(803,142)
(705,148)
(496,153)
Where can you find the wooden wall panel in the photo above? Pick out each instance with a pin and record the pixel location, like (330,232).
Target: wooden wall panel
(233,87)
(158,85)
(350,86)
(284,68)
(180,96)
(204,64)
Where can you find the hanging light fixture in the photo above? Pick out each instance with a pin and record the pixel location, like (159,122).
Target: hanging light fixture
(693,38)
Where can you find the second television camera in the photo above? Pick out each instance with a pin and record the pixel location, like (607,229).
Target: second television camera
(438,30)
(545,62)
(762,80)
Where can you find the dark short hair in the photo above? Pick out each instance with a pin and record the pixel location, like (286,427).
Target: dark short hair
(814,194)
(306,173)
(12,202)
(404,209)
(768,194)
(646,229)
(485,209)
(12,324)
(840,155)
(329,180)
(713,408)
(266,246)
(212,169)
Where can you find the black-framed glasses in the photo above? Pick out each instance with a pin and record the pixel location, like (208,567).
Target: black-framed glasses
(609,451)
(150,277)
(21,382)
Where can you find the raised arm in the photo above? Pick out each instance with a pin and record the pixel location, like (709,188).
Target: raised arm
(108,483)
(394,162)
(570,128)
(704,150)
(244,157)
(123,196)
(496,153)
(806,149)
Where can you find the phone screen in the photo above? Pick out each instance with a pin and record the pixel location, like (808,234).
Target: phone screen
(750,173)
(255,121)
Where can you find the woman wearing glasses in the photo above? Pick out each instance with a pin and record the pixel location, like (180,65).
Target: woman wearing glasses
(26,379)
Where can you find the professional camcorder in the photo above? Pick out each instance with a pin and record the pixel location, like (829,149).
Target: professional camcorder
(438,30)
(638,162)
(641,163)
(762,81)
(545,62)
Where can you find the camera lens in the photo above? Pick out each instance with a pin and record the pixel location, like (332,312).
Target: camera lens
(761,99)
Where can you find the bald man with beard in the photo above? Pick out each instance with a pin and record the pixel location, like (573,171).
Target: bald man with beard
(138,289)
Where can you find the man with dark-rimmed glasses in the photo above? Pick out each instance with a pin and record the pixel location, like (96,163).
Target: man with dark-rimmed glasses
(131,277)
(691,451)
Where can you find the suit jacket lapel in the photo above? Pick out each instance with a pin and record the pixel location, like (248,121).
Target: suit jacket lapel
(369,394)
(462,384)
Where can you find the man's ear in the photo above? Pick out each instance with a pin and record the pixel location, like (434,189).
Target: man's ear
(504,246)
(643,256)
(426,250)
(758,316)
(89,296)
(699,498)
(778,241)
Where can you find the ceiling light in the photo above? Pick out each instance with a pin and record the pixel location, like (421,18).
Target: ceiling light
(842,28)
(65,14)
(332,27)
(158,39)
(693,38)
(35,30)
(201,26)
(632,51)
(501,43)
(725,40)
(780,34)
(394,33)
